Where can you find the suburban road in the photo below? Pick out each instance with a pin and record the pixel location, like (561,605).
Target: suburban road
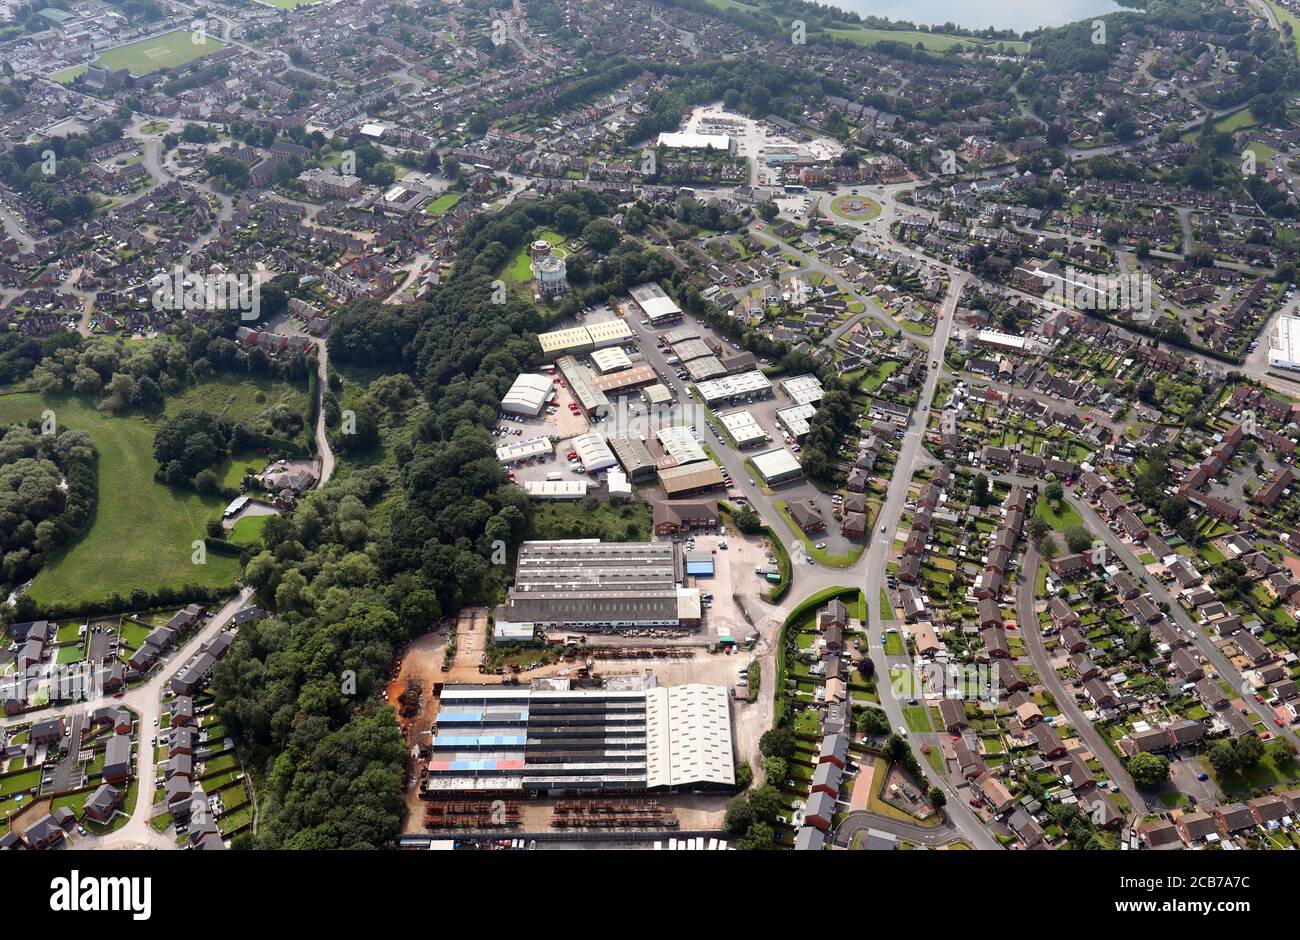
(146,701)
(1213,656)
(877,554)
(323,450)
(1033,637)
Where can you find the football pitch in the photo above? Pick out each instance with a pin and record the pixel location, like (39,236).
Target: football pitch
(159,52)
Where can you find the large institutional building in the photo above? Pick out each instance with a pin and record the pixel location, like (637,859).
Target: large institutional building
(552,739)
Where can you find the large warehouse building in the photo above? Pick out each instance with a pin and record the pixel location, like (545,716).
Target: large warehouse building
(655,305)
(578,339)
(1284,344)
(528,394)
(552,739)
(589,585)
(734,388)
(777,466)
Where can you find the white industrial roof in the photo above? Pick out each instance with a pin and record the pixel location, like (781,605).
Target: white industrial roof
(730,386)
(742,426)
(802,389)
(696,141)
(556,489)
(611,360)
(593,452)
(528,393)
(775,463)
(680,444)
(688,736)
(796,418)
(522,450)
(1284,343)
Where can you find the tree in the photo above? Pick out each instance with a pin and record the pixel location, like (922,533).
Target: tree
(759,836)
(766,803)
(1078,538)
(774,768)
(871,721)
(1148,770)
(1281,752)
(937,798)
(1223,758)
(601,234)
(1249,750)
(777,742)
(1054,492)
(738,817)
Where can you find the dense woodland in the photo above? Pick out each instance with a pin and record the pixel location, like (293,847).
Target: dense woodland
(47,496)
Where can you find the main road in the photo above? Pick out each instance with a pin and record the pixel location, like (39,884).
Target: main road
(910,456)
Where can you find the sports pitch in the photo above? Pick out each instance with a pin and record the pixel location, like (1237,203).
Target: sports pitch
(286,4)
(159,52)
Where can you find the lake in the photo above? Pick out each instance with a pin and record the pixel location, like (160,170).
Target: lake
(1019,15)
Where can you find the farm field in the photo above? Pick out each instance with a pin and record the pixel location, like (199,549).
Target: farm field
(142,532)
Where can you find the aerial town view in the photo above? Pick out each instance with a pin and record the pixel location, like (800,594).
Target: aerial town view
(650,425)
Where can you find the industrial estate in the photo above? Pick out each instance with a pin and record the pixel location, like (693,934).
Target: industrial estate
(677,425)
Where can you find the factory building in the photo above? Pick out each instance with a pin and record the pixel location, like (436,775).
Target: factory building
(634,457)
(593,452)
(1284,344)
(680,444)
(732,389)
(610,360)
(589,585)
(516,451)
(580,339)
(797,419)
(553,739)
(687,141)
(655,305)
(582,385)
(691,478)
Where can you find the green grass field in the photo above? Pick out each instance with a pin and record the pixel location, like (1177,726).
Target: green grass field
(870,210)
(248,530)
(934,42)
(244,398)
(142,533)
(443,203)
(1227,124)
(1284,17)
(520,270)
(150,55)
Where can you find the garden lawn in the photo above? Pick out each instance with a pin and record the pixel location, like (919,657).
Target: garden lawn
(247,530)
(142,532)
